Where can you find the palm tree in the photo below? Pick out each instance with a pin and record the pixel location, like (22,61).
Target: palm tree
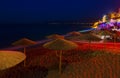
(60,45)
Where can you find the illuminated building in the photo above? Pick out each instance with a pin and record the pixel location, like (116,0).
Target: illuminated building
(109,23)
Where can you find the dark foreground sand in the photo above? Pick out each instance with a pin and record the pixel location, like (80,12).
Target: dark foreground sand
(96,61)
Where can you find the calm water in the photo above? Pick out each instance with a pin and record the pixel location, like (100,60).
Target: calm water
(12,32)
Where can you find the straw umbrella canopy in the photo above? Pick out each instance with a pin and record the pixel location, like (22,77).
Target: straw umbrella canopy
(74,36)
(91,37)
(60,44)
(10,58)
(105,33)
(24,42)
(54,36)
(76,33)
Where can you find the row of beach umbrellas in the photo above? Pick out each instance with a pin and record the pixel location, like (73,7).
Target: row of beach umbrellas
(58,43)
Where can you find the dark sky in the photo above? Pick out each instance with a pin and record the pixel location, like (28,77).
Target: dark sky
(16,16)
(28,11)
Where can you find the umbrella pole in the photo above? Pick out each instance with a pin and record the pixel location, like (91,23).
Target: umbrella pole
(114,41)
(56,54)
(89,44)
(104,42)
(25,54)
(60,64)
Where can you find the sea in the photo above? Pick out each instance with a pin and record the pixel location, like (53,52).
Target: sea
(13,32)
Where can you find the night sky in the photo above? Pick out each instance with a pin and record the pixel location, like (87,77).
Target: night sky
(29,18)
(32,11)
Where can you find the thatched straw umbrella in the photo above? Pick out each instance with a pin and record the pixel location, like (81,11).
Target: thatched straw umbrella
(74,36)
(115,36)
(10,58)
(105,33)
(91,37)
(24,42)
(54,36)
(76,33)
(60,44)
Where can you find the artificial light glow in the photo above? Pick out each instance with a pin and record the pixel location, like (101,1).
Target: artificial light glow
(104,18)
(113,15)
(118,20)
(113,21)
(95,25)
(110,22)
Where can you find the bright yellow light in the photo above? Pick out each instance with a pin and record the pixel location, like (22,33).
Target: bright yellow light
(95,25)
(118,20)
(104,19)
(118,15)
(113,15)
